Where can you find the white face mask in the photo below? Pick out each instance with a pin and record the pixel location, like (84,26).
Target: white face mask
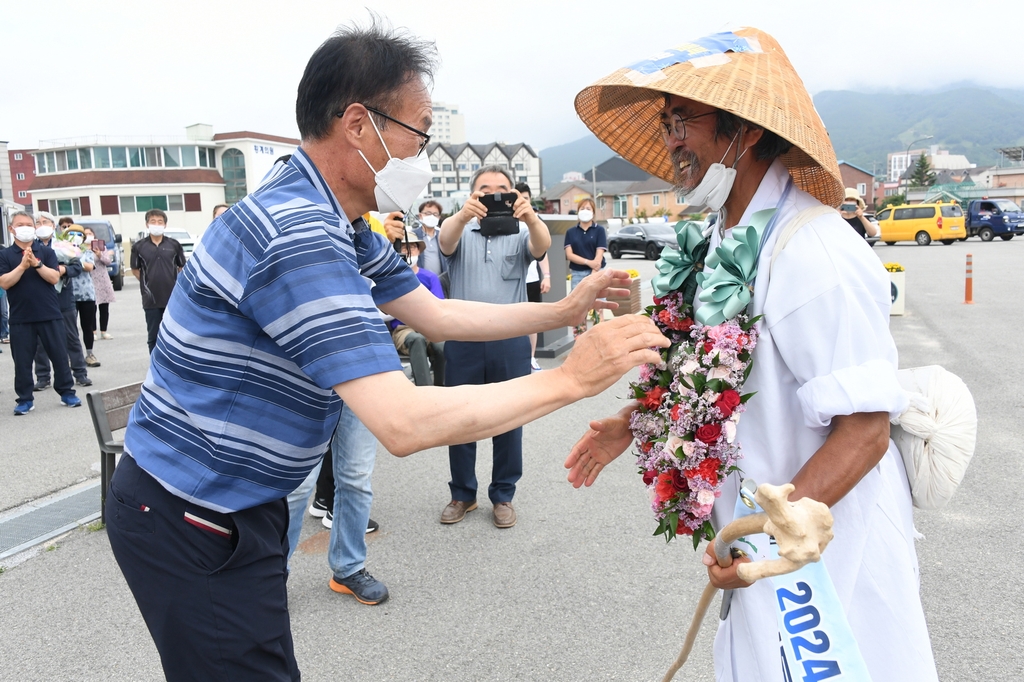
(401,181)
(88,240)
(155,230)
(586,215)
(44,232)
(24,233)
(716,185)
(77,240)
(430,221)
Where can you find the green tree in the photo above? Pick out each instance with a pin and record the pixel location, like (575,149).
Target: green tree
(894,200)
(922,175)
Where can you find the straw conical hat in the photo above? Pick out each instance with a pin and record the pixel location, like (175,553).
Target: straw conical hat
(745,73)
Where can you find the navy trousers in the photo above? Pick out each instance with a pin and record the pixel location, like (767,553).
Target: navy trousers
(154,316)
(487,362)
(52,337)
(210,586)
(73,350)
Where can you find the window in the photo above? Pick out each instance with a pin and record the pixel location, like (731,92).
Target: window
(175,202)
(208,157)
(449,178)
(952,211)
(436,180)
(884,215)
(862,188)
(152,156)
(234,173)
(109,205)
(22,194)
(188,157)
(20,176)
(600,203)
(434,167)
(101,155)
(17,156)
(928,212)
(143,204)
(520,166)
(51,162)
(172,157)
(903,214)
(619,210)
(60,160)
(438,195)
(85,158)
(656,200)
(67,206)
(446,167)
(135,157)
(72,159)
(522,179)
(475,166)
(680,199)
(127,204)
(118,157)
(636,201)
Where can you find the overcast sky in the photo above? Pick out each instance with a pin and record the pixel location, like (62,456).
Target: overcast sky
(112,67)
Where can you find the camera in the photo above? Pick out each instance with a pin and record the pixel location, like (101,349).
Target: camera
(499,219)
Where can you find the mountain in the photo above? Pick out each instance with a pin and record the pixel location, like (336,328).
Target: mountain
(973,121)
(579,155)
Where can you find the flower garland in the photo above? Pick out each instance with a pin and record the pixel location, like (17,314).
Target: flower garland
(690,404)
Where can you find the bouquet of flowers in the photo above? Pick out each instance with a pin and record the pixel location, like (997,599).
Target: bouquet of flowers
(690,404)
(65,250)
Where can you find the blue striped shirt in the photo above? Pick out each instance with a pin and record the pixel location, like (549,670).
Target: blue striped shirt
(270,312)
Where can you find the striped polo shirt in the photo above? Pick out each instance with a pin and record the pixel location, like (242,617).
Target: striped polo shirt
(273,309)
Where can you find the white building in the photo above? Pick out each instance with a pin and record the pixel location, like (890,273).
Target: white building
(454,165)
(120,178)
(449,126)
(938,159)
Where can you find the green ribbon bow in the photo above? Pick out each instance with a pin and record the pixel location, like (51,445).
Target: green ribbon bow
(727,289)
(677,265)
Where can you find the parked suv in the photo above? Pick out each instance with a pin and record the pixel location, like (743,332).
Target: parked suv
(105,231)
(646,238)
(922,223)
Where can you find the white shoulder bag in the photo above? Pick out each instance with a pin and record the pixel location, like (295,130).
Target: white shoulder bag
(936,435)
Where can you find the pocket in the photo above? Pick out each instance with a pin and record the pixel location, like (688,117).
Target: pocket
(129,515)
(212,537)
(511,268)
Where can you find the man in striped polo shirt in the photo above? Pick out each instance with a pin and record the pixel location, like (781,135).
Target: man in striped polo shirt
(272,324)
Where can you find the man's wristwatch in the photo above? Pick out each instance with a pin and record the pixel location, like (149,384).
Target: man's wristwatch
(37,266)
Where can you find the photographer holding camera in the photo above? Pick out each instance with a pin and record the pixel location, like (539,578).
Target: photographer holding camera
(852,210)
(488,256)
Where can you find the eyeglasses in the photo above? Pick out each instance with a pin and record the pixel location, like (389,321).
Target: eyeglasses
(423,143)
(676,126)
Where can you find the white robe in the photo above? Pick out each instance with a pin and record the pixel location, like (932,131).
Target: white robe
(825,350)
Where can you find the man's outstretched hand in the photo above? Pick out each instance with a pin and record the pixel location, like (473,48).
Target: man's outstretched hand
(607,439)
(599,284)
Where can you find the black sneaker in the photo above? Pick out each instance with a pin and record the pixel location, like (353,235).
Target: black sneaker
(372,527)
(41,385)
(363,586)
(85,381)
(318,508)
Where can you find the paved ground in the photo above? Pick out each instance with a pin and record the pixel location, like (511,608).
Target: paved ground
(578,590)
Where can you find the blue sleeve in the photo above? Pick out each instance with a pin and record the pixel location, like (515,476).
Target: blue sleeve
(378,261)
(602,238)
(306,293)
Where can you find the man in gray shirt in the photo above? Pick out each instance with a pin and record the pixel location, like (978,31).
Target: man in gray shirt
(490,269)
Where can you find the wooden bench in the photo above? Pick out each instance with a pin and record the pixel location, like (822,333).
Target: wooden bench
(110,410)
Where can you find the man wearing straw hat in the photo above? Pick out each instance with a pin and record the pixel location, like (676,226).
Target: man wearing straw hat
(729,122)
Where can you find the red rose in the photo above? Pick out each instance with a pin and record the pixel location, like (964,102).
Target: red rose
(670,484)
(674,413)
(653,398)
(709,433)
(728,401)
(708,346)
(683,529)
(685,324)
(665,489)
(708,470)
(646,447)
(650,476)
(679,324)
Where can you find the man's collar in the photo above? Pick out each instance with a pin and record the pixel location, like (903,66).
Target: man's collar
(300,161)
(768,193)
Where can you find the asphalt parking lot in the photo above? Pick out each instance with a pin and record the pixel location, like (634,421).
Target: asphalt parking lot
(578,590)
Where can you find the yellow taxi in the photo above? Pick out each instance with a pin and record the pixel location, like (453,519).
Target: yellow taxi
(922,223)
